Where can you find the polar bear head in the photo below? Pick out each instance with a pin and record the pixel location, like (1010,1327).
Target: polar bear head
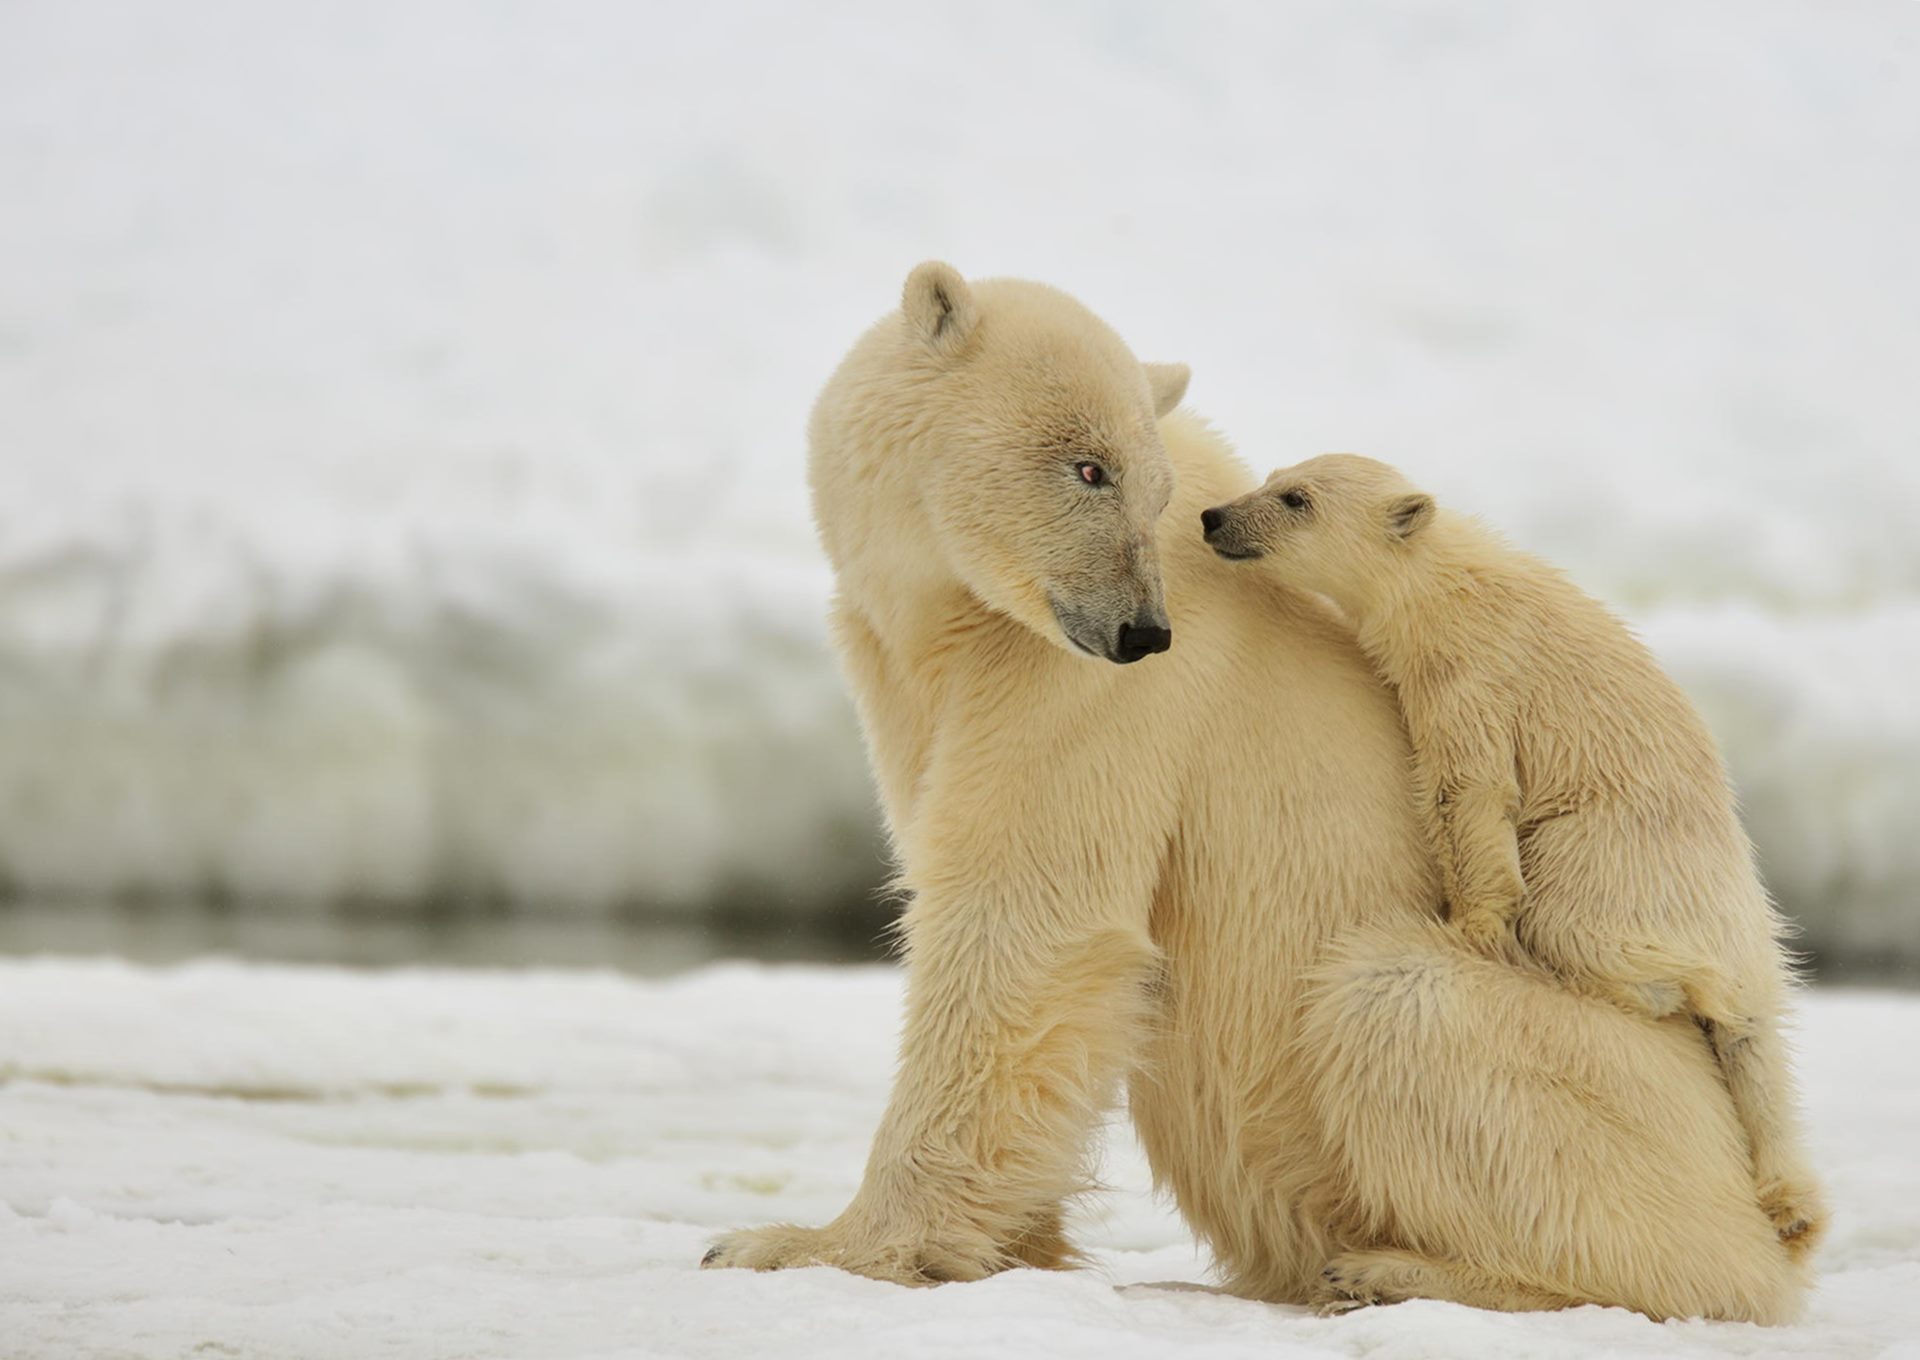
(1339,524)
(1022,435)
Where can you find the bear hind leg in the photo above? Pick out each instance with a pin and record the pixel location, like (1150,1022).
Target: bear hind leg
(1494,1119)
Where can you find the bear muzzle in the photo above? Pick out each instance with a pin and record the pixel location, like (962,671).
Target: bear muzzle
(1146,633)
(1138,638)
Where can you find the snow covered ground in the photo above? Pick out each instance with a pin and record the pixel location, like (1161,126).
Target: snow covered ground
(401,403)
(242,1161)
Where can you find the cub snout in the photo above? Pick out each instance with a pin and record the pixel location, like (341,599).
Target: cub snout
(1225,531)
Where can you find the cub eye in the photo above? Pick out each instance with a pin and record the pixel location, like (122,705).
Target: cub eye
(1091,473)
(1294,500)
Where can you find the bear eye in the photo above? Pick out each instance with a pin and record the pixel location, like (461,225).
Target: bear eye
(1091,473)
(1294,500)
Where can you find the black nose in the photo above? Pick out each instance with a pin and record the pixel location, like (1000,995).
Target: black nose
(1135,642)
(1211,520)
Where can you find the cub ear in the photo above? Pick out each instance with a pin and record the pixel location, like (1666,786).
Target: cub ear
(939,306)
(1407,515)
(1169,384)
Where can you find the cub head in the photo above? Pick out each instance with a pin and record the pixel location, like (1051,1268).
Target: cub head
(1041,467)
(1339,524)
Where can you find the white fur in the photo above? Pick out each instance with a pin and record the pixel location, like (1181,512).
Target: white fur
(1202,875)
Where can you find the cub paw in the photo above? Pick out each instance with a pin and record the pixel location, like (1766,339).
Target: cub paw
(1797,1211)
(1485,928)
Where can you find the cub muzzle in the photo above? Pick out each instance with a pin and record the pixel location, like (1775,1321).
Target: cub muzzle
(1227,532)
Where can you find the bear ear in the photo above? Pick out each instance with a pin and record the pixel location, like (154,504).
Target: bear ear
(939,307)
(1407,515)
(1169,384)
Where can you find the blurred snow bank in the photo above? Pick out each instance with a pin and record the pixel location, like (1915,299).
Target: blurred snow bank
(401,406)
(472,724)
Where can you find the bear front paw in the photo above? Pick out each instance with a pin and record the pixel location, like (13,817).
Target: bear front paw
(783,1246)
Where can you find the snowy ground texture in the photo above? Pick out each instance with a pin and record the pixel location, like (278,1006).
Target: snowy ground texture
(233,1161)
(401,404)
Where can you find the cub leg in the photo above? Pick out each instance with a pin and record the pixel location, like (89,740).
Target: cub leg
(1742,1029)
(1470,794)
(1754,1061)
(1481,862)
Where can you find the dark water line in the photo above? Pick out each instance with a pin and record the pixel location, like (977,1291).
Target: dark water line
(174,932)
(643,945)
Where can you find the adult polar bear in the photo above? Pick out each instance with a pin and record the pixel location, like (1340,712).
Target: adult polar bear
(1202,876)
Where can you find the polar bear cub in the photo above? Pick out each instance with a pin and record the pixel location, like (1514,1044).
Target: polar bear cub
(1576,803)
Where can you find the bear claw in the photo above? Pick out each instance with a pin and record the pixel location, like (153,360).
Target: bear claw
(1341,1293)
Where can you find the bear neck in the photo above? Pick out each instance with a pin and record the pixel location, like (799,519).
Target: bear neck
(887,561)
(909,610)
